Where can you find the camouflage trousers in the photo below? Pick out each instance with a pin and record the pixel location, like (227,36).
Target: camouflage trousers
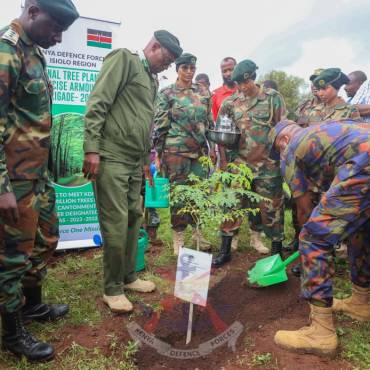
(270,219)
(342,213)
(26,246)
(177,168)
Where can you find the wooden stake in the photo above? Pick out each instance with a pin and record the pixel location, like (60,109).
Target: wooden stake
(190,324)
(191,307)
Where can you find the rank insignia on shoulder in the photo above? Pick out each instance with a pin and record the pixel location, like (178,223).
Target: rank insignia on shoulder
(11,36)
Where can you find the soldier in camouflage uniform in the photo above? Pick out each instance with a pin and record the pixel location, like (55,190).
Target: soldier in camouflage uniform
(335,156)
(332,106)
(28,221)
(255,111)
(303,111)
(183,116)
(302,117)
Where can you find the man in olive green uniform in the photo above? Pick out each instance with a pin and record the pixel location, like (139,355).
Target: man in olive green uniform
(117,146)
(255,111)
(332,106)
(28,221)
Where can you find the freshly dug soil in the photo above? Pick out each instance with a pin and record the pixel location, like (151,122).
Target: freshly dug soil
(261,312)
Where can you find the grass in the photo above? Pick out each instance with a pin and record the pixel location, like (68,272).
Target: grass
(260,359)
(354,335)
(77,280)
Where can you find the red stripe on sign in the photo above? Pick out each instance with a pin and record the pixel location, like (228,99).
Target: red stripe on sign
(93,38)
(105,39)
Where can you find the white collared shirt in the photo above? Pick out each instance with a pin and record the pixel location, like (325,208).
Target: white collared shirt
(362,97)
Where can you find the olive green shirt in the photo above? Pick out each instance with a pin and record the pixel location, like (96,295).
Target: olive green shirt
(120,109)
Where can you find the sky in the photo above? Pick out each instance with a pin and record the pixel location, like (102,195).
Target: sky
(294,36)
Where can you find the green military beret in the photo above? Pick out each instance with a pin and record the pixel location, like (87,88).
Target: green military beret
(315,73)
(186,58)
(244,70)
(169,41)
(331,76)
(63,11)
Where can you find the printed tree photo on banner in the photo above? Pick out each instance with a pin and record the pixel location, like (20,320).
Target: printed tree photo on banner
(67,149)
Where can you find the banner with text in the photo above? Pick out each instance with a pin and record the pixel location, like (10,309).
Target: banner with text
(73,67)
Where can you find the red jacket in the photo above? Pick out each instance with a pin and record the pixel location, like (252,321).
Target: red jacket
(218,96)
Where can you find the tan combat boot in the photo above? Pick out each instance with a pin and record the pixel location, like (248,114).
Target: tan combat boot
(319,338)
(356,306)
(178,241)
(141,286)
(257,244)
(118,303)
(235,242)
(204,244)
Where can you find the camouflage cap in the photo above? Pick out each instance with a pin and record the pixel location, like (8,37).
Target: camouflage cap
(331,76)
(63,11)
(273,134)
(169,41)
(244,70)
(315,73)
(186,58)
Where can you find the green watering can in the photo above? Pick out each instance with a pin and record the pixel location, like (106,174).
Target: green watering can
(157,196)
(270,270)
(142,245)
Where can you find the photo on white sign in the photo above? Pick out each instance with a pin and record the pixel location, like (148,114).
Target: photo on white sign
(192,276)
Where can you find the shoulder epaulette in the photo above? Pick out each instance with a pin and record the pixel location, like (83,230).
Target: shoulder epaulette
(269,91)
(233,97)
(341,106)
(134,52)
(166,89)
(11,36)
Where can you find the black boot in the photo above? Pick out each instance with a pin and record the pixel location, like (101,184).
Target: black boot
(16,339)
(276,248)
(296,270)
(34,309)
(292,246)
(225,252)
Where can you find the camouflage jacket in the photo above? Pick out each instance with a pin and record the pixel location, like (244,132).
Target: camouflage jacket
(25,109)
(319,153)
(255,117)
(304,110)
(182,118)
(341,110)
